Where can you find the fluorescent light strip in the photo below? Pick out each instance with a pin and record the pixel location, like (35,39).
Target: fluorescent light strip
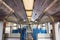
(28,4)
(29,13)
(29,18)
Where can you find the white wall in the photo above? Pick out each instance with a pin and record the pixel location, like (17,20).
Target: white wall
(44,37)
(57,31)
(1,30)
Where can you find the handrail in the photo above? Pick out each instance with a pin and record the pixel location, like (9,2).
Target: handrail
(2,2)
(50,5)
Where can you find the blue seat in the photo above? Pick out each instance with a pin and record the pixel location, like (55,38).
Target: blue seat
(14,31)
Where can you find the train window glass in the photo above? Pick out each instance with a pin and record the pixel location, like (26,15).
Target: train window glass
(23,25)
(44,25)
(39,26)
(14,28)
(34,26)
(50,27)
(18,26)
(7,30)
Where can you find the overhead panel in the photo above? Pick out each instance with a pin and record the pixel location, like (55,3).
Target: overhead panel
(28,4)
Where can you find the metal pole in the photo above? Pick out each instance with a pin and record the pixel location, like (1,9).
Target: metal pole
(20,29)
(53,28)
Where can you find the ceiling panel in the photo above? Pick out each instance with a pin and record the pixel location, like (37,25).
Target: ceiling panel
(45,19)
(18,7)
(39,7)
(55,8)
(12,18)
(5,8)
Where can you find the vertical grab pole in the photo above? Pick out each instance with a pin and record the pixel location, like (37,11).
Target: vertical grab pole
(53,27)
(20,29)
(37,30)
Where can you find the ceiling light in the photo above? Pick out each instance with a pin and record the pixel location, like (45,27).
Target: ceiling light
(28,4)
(29,13)
(29,18)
